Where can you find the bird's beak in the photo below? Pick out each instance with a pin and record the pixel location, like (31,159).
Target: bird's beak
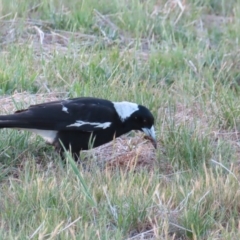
(150,132)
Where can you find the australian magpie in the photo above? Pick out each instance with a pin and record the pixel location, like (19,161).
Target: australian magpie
(73,123)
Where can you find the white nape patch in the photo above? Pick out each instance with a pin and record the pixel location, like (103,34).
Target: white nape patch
(125,109)
(80,123)
(48,135)
(64,109)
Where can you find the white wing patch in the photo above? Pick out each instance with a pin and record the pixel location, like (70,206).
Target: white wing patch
(125,109)
(48,135)
(64,109)
(80,123)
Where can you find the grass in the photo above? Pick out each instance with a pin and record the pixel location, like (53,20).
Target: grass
(179,58)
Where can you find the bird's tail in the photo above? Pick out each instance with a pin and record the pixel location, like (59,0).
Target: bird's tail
(24,121)
(10,121)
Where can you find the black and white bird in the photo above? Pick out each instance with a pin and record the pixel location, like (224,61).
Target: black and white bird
(73,123)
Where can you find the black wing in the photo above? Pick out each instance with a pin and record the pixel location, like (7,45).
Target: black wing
(84,114)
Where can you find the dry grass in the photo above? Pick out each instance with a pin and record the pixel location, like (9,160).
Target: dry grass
(24,99)
(128,153)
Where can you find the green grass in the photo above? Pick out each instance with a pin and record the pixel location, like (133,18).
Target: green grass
(181,61)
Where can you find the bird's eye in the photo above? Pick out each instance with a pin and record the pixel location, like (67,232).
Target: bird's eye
(136,118)
(144,120)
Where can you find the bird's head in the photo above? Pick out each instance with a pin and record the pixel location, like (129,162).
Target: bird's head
(137,117)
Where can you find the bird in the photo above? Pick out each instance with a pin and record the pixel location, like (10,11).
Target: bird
(76,124)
